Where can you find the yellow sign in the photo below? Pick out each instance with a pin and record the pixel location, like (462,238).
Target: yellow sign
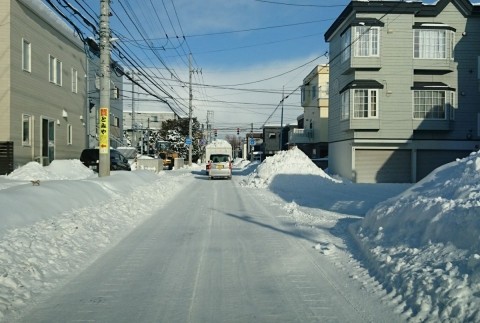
(103,131)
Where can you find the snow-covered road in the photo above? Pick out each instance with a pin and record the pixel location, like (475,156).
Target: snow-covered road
(217,252)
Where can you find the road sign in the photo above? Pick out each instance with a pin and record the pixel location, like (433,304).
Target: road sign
(252,142)
(188,141)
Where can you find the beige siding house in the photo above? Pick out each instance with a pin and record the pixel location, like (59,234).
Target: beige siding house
(43,87)
(404,88)
(311,136)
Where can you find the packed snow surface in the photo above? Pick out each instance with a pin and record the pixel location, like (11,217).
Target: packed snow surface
(422,245)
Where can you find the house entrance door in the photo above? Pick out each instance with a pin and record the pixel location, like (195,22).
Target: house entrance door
(48,141)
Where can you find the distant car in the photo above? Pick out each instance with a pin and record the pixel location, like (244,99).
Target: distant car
(220,165)
(90,158)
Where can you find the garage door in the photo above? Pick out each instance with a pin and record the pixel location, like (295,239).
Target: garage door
(383,166)
(428,160)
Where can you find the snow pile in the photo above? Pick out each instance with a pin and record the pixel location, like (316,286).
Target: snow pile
(57,170)
(49,231)
(219,143)
(426,243)
(292,161)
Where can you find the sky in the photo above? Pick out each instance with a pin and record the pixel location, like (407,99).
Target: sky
(246,54)
(419,241)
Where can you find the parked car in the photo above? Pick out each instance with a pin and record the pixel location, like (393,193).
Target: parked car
(90,158)
(220,165)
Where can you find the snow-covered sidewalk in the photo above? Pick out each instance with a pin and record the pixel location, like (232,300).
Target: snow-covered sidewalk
(55,229)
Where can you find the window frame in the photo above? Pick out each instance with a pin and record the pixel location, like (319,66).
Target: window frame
(314,92)
(345,105)
(370,105)
(346,45)
(433,51)
(74,80)
(369,36)
(26,55)
(433,100)
(55,67)
(69,134)
(27,133)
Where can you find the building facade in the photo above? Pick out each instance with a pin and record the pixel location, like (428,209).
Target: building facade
(404,88)
(43,88)
(311,136)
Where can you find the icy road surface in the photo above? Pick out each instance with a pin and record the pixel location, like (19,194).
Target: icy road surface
(217,252)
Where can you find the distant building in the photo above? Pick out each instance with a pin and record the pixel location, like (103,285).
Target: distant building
(404,88)
(311,136)
(274,139)
(146,119)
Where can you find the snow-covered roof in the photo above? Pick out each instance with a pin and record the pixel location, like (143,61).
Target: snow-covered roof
(219,143)
(53,19)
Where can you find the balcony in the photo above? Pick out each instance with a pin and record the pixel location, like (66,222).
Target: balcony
(438,65)
(300,136)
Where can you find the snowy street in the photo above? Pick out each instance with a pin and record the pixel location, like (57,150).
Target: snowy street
(281,242)
(217,252)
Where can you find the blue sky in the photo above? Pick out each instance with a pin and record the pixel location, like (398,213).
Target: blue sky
(245,53)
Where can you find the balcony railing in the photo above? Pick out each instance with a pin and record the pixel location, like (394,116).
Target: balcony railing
(300,136)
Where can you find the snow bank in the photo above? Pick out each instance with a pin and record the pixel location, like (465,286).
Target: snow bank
(292,161)
(434,210)
(50,231)
(57,170)
(425,244)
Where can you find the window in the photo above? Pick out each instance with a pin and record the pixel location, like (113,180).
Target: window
(69,134)
(367,41)
(55,71)
(314,92)
(429,104)
(346,45)
(304,93)
(365,103)
(59,73)
(74,80)
(116,121)
(272,135)
(115,93)
(433,43)
(451,105)
(26,56)
(345,97)
(26,130)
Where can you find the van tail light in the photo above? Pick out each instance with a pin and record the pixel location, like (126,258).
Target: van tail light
(230,165)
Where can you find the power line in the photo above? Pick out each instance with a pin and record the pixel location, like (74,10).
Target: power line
(301,5)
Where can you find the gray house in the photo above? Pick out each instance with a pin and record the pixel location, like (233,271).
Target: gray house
(404,88)
(43,88)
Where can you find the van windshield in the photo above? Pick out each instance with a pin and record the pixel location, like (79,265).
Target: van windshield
(219,158)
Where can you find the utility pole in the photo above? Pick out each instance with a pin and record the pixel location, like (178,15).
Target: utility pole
(134,132)
(104,124)
(281,118)
(209,125)
(190,97)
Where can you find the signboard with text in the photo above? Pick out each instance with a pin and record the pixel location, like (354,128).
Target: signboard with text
(103,131)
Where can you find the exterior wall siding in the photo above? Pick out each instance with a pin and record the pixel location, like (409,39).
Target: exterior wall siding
(32,92)
(396,71)
(341,153)
(5,64)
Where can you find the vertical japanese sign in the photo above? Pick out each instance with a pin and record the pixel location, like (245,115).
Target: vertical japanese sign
(103,131)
